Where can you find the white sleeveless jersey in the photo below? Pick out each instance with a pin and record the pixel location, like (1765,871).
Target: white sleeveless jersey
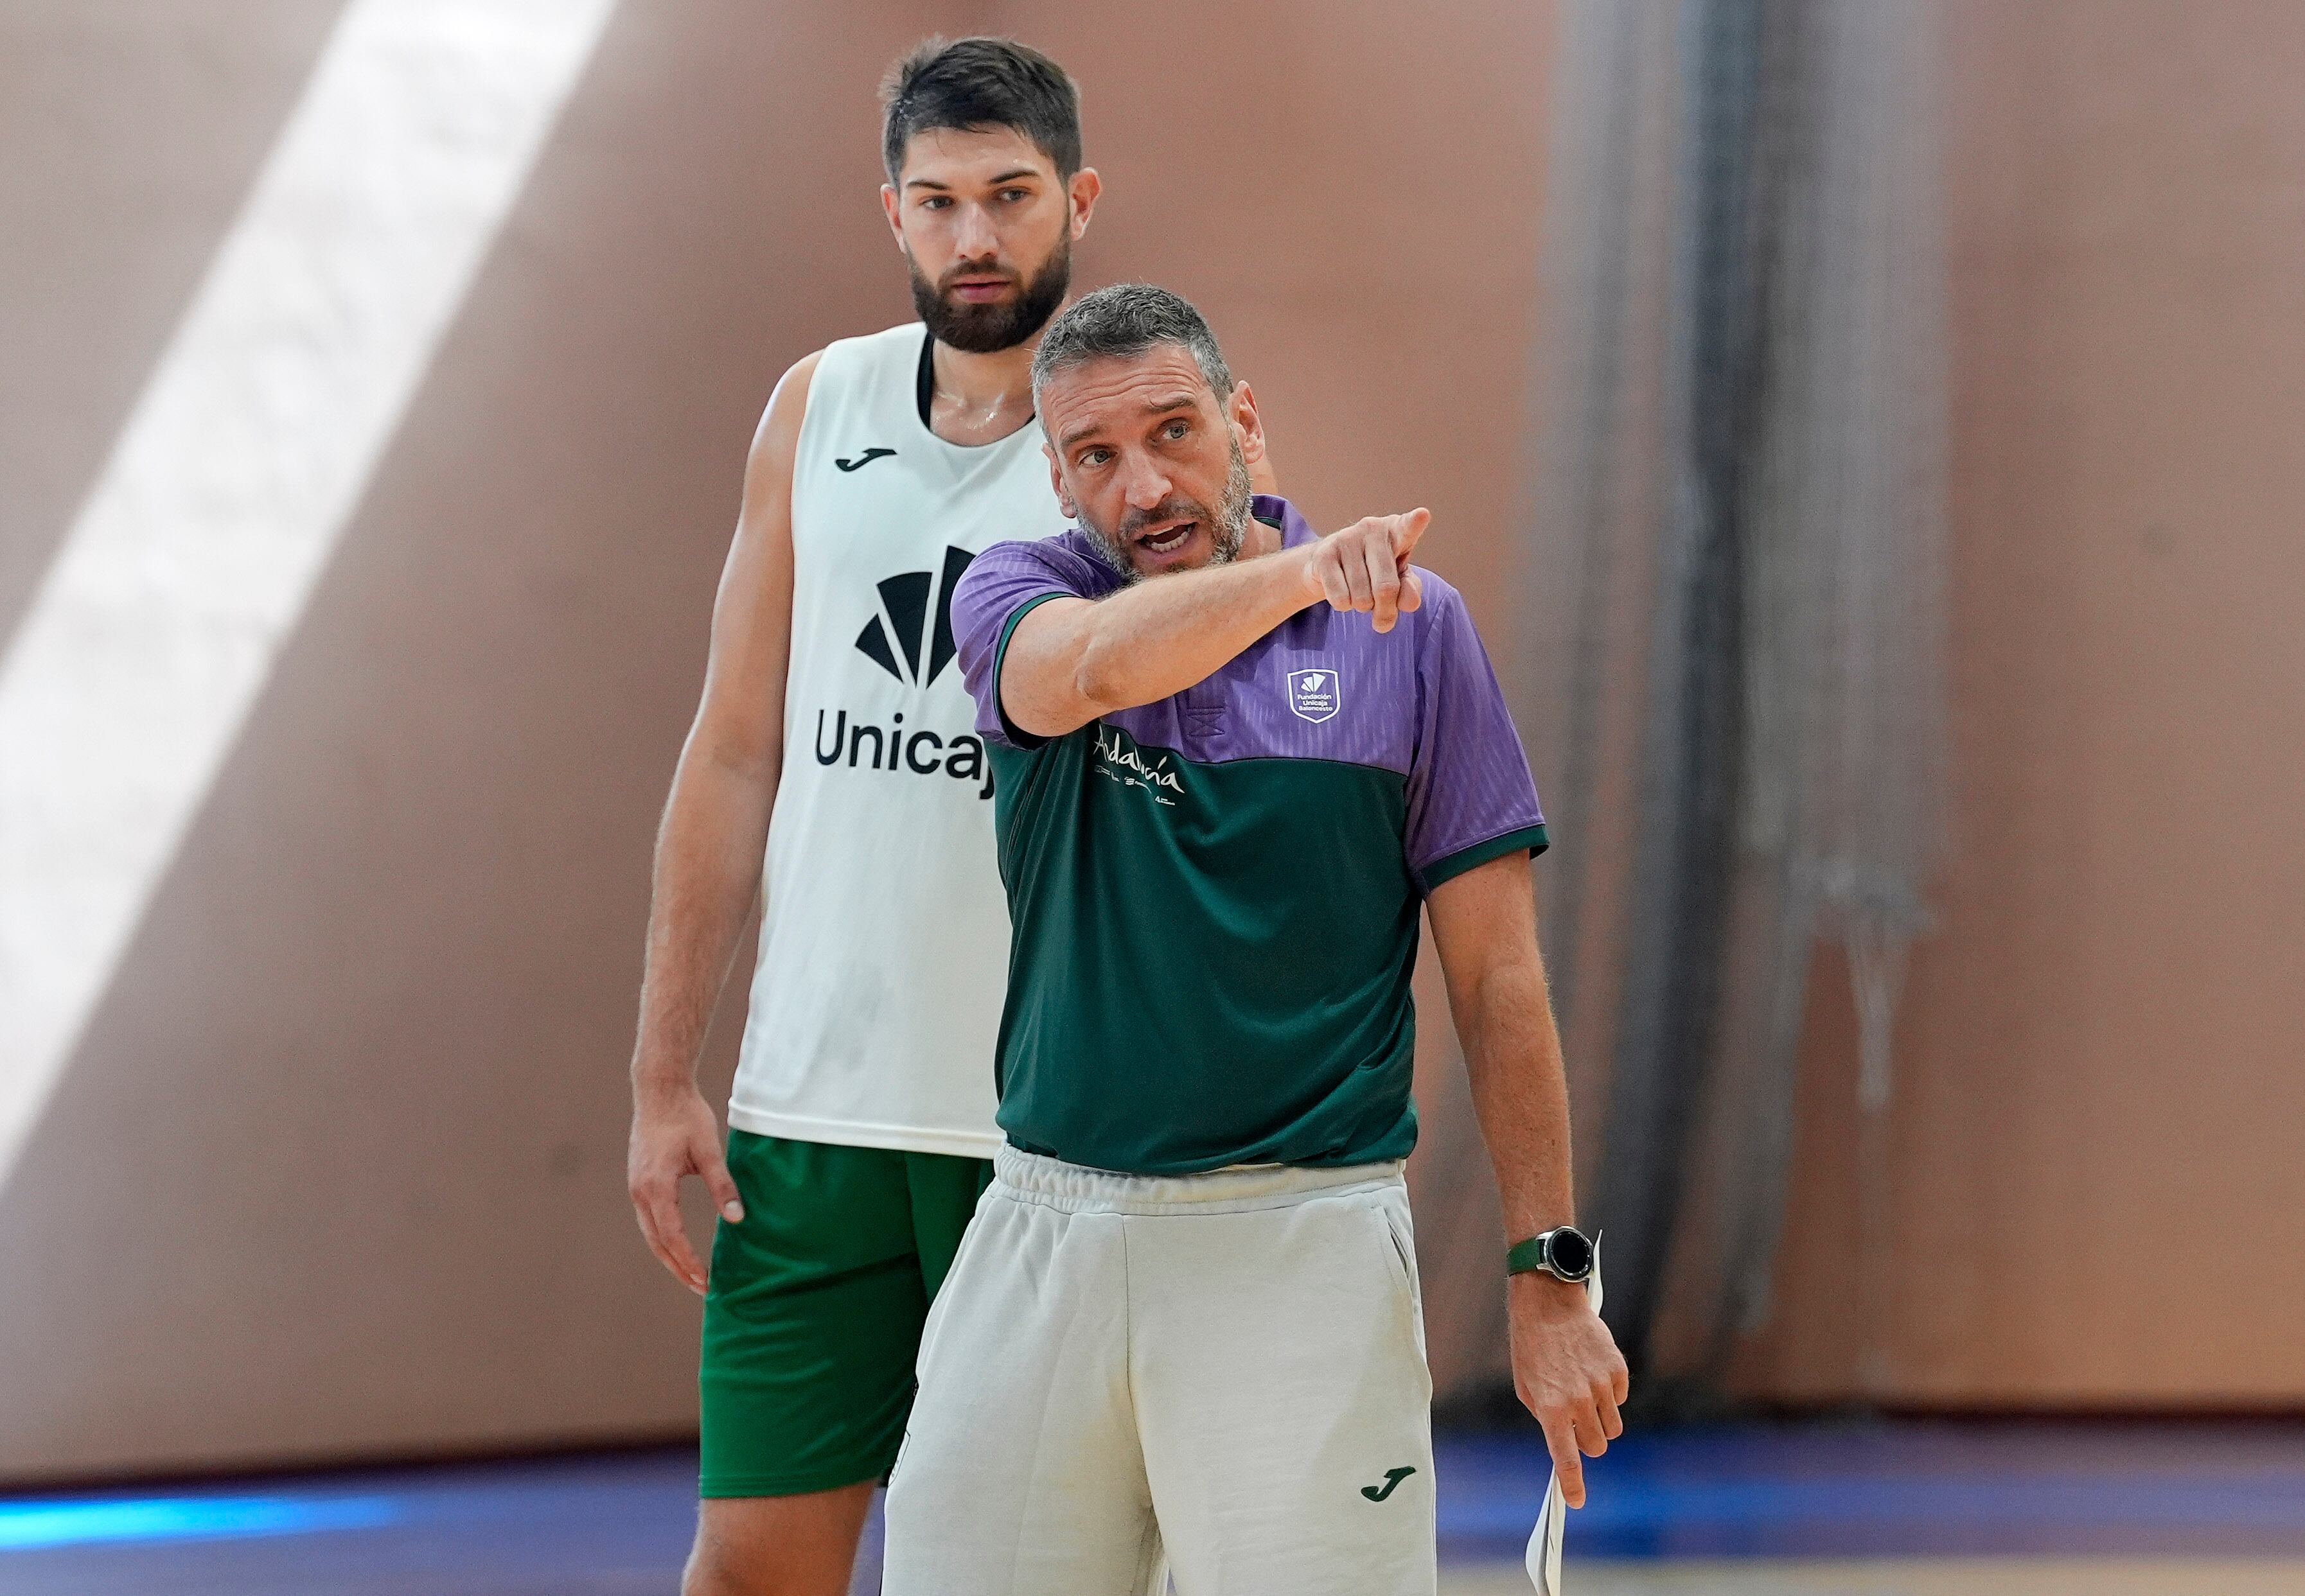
(884,952)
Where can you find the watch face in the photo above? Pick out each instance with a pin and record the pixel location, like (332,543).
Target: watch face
(1571,1254)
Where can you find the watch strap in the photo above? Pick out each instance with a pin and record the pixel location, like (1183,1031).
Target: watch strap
(1529,1257)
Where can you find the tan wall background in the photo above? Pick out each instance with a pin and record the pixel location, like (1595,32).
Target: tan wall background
(2094,1127)
(337,1168)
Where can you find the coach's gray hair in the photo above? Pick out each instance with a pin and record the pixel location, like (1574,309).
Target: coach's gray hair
(1126,320)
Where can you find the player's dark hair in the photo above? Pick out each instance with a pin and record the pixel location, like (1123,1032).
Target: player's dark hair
(980,83)
(1124,321)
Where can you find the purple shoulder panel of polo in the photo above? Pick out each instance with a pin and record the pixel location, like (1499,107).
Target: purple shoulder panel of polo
(1324,684)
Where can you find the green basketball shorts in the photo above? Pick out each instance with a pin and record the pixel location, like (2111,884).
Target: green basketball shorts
(812,1318)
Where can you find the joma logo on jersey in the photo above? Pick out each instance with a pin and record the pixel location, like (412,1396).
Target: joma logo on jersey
(907,599)
(1315,695)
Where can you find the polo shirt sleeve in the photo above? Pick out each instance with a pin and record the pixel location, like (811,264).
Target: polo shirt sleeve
(1000,588)
(1470,795)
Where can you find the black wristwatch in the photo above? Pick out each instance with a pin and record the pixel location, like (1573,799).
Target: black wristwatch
(1565,1254)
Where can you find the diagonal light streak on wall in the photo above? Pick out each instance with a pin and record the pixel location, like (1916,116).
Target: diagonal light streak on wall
(228,486)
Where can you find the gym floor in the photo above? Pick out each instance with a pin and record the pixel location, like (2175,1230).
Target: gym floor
(1876,1509)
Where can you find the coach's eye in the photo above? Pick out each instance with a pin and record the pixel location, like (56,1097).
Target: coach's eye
(1176,429)
(1012,195)
(1095,456)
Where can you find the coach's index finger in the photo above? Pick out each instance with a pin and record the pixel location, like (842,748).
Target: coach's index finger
(1408,529)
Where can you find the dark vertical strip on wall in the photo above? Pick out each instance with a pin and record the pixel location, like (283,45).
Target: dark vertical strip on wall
(1694,735)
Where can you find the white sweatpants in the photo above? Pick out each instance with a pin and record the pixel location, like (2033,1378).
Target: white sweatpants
(1229,1368)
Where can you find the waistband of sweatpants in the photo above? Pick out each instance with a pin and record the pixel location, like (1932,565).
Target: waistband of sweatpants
(1033,1177)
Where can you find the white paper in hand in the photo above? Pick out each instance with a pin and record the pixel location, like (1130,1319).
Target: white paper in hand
(1552,1519)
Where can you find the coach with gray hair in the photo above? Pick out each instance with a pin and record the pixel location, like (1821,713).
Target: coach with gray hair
(1234,759)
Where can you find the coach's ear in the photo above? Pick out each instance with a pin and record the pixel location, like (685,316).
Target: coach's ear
(1240,410)
(1057,480)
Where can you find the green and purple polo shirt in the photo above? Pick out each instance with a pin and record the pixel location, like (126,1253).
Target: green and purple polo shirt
(1213,898)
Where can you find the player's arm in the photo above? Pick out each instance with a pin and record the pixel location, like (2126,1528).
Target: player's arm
(1566,1366)
(1070,660)
(709,848)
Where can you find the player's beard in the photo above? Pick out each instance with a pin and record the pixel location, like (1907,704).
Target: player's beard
(987,329)
(1227,524)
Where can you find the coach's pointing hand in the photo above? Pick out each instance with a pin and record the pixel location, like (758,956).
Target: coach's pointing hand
(1568,1373)
(1365,566)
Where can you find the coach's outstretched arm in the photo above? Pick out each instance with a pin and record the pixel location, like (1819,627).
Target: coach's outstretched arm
(1073,659)
(1566,1366)
(710,847)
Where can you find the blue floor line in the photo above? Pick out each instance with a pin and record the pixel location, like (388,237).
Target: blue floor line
(26,1526)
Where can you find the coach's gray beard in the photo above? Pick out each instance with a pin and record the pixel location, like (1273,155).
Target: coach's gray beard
(1232,515)
(1228,524)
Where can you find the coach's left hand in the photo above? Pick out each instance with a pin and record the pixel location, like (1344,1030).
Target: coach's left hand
(1567,1372)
